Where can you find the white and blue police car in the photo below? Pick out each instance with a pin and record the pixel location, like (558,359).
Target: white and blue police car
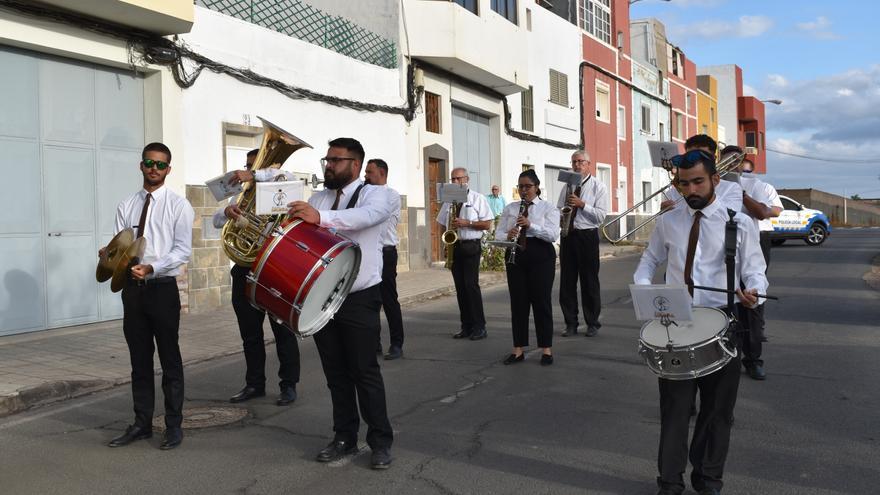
(799,222)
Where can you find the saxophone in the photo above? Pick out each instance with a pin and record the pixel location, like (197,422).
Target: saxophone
(243,238)
(450,236)
(567,212)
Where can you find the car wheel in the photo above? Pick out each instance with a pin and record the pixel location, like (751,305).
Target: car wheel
(777,242)
(816,235)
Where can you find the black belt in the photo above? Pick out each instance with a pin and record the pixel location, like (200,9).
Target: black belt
(469,240)
(389,248)
(586,230)
(151,281)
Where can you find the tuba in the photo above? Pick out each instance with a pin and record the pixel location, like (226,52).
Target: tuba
(243,238)
(450,236)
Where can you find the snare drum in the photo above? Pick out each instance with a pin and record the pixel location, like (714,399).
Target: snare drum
(302,276)
(690,350)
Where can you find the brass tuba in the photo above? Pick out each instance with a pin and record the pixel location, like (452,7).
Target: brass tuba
(243,238)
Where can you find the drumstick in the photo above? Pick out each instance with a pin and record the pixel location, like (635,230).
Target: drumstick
(713,289)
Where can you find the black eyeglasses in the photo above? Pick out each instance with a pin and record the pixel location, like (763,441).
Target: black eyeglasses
(333,160)
(463,177)
(692,156)
(147,163)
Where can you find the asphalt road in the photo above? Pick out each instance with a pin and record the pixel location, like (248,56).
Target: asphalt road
(467,424)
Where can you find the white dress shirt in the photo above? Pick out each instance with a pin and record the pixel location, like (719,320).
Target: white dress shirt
(730,194)
(476,210)
(262,175)
(761,192)
(543,220)
(168,230)
(595,195)
(389,233)
(669,242)
(363,223)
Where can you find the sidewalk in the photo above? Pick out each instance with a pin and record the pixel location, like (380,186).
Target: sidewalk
(44,367)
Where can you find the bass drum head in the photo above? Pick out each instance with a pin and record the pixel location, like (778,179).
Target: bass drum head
(706,323)
(328,292)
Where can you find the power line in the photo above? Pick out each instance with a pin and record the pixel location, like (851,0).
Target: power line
(824,159)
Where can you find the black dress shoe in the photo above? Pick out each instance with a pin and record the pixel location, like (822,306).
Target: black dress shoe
(546,359)
(173,437)
(132,433)
(462,334)
(287,396)
(247,393)
(513,358)
(380,459)
(570,330)
(592,331)
(756,371)
(479,334)
(336,449)
(394,352)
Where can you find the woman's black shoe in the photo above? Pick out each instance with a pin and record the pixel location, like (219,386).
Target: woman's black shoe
(513,358)
(546,359)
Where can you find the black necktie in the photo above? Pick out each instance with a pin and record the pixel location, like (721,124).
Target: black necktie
(142,224)
(521,239)
(338,195)
(692,250)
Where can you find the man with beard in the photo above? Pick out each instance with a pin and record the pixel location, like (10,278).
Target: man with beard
(346,344)
(150,300)
(690,240)
(376,174)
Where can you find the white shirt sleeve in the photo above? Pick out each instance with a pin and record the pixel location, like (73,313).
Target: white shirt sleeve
(654,256)
(375,208)
(182,245)
(505,223)
(548,227)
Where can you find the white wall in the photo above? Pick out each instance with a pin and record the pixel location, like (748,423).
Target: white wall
(727,104)
(216,98)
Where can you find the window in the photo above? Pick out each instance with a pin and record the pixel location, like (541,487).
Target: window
(621,122)
(432,112)
(678,126)
(594,17)
(661,131)
(705,129)
(558,88)
(528,110)
(761,141)
(750,140)
(712,114)
(505,8)
(687,103)
(646,191)
(788,204)
(603,102)
(470,5)
(528,19)
(646,119)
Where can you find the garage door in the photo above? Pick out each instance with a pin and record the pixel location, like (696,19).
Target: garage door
(70,135)
(471,147)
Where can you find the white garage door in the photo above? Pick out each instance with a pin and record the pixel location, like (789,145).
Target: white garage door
(71,135)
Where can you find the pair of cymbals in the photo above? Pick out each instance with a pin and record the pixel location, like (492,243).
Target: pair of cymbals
(122,251)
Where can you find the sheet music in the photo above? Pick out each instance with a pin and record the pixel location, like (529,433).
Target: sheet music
(220,187)
(651,302)
(272,197)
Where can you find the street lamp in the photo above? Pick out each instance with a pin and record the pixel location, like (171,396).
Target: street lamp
(773,101)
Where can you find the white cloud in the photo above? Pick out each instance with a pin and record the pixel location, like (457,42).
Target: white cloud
(777,80)
(844,92)
(787,146)
(749,91)
(819,29)
(747,26)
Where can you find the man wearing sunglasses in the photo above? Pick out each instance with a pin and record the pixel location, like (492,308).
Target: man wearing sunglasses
(690,240)
(150,300)
(347,343)
(250,319)
(728,192)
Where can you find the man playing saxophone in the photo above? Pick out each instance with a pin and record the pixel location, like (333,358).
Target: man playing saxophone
(473,218)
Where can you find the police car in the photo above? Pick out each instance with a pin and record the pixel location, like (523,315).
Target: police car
(799,222)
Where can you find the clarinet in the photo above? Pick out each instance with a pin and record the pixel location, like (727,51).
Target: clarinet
(511,256)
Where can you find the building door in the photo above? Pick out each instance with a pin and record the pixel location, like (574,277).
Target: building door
(71,134)
(436,175)
(470,147)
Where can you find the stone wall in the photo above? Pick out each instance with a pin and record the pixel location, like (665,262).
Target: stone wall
(210,286)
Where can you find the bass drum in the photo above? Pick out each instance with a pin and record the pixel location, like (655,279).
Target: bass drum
(303,275)
(691,349)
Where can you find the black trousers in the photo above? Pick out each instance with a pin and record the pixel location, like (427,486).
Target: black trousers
(152,311)
(390,304)
(530,282)
(466,275)
(579,260)
(708,449)
(347,349)
(250,326)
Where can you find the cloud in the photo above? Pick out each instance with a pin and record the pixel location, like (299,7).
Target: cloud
(749,91)
(819,29)
(747,26)
(777,80)
(844,92)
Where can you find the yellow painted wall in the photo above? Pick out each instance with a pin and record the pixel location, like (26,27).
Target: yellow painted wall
(707,106)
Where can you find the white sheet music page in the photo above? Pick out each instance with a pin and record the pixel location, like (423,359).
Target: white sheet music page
(652,302)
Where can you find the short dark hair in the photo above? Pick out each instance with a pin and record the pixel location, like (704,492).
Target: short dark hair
(156,147)
(701,141)
(253,152)
(693,157)
(730,148)
(380,163)
(351,144)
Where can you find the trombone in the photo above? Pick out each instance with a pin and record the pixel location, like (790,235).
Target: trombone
(727,164)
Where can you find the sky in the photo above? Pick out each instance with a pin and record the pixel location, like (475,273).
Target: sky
(820,58)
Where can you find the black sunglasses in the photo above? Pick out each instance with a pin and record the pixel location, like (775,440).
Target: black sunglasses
(692,156)
(146,162)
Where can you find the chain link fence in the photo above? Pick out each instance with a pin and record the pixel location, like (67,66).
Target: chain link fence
(302,21)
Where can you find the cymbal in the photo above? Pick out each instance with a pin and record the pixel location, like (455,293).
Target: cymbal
(122,250)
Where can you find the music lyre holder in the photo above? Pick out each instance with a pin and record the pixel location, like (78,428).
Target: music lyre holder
(667,321)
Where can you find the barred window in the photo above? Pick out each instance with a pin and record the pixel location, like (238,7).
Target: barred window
(594,17)
(528,110)
(558,88)
(432,112)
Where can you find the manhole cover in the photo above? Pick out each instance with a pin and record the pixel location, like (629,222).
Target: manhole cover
(205,417)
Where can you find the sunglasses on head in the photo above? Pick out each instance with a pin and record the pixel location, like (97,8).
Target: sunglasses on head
(147,163)
(692,156)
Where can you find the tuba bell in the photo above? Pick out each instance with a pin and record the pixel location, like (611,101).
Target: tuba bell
(243,239)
